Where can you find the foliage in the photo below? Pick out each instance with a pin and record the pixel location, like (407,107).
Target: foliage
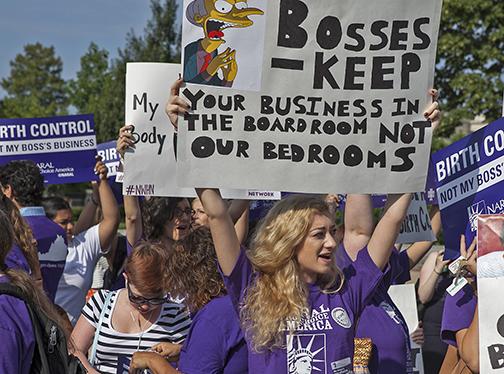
(35,87)
(470,61)
(160,43)
(86,91)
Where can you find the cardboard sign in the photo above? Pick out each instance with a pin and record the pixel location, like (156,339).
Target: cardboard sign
(470,182)
(416,226)
(490,284)
(308,96)
(404,297)
(150,168)
(64,147)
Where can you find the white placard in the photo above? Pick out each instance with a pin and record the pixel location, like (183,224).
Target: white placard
(491,324)
(150,169)
(404,297)
(416,226)
(343,88)
(490,285)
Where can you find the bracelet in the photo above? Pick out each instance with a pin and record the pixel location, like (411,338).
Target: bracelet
(437,272)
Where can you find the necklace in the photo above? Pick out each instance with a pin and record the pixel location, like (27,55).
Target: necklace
(140,327)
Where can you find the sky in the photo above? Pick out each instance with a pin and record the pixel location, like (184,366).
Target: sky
(68,25)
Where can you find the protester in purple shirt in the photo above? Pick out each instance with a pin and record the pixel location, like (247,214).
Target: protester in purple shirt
(215,343)
(16,329)
(459,327)
(458,314)
(23,184)
(23,254)
(392,350)
(298,309)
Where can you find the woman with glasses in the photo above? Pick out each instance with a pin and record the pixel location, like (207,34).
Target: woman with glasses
(215,343)
(116,324)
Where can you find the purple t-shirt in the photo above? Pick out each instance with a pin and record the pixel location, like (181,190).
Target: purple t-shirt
(51,246)
(16,335)
(323,339)
(458,314)
(215,342)
(16,259)
(381,320)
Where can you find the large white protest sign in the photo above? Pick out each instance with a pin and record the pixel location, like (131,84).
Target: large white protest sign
(150,167)
(416,226)
(404,298)
(490,285)
(340,104)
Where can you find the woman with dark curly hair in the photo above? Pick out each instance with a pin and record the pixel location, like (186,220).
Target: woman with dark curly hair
(17,334)
(23,254)
(215,343)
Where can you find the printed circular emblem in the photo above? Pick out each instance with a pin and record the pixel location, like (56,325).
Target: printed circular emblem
(340,316)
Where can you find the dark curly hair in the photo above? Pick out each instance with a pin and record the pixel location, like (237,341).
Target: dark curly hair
(25,180)
(156,212)
(53,204)
(192,271)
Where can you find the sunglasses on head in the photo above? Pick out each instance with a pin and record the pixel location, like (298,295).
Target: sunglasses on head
(139,300)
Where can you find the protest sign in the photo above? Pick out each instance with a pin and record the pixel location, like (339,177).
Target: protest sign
(404,297)
(111,159)
(149,168)
(416,226)
(335,98)
(469,177)
(490,282)
(430,186)
(63,147)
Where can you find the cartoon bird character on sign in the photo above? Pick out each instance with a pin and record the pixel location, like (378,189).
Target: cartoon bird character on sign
(202,60)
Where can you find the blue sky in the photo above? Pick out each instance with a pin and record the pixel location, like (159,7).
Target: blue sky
(69,25)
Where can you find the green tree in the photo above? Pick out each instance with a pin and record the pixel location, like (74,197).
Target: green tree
(35,87)
(160,42)
(470,65)
(86,92)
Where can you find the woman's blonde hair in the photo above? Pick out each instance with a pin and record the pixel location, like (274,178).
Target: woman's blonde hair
(278,293)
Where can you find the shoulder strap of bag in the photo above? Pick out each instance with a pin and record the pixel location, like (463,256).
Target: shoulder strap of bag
(98,328)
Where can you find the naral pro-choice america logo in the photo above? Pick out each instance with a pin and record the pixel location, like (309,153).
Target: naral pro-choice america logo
(474,211)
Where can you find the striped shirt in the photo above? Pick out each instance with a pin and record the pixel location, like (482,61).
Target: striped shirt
(115,349)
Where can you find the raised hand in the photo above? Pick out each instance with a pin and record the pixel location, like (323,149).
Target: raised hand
(100,169)
(125,140)
(433,113)
(176,105)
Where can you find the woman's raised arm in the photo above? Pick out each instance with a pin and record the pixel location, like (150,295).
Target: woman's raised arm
(227,245)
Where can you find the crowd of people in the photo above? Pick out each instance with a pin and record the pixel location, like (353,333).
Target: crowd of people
(195,286)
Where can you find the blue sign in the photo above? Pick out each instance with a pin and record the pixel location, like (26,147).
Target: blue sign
(64,147)
(470,181)
(111,159)
(430,186)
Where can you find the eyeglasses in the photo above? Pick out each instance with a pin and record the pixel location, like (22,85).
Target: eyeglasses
(179,213)
(140,300)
